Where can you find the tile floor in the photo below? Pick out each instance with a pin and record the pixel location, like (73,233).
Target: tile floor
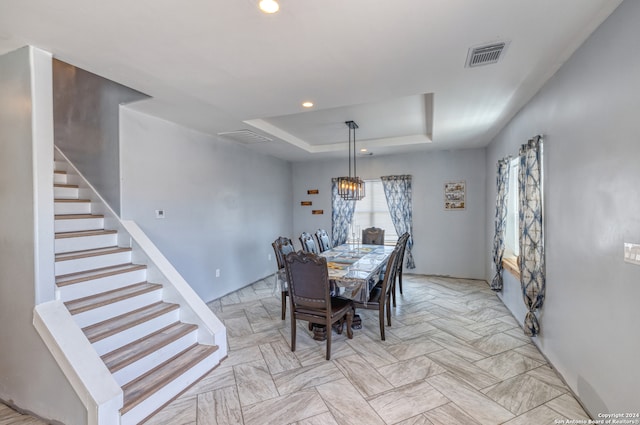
(453,355)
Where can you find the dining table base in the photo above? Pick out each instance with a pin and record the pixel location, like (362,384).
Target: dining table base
(320,331)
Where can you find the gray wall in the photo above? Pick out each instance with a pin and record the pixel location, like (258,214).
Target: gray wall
(223,203)
(445,242)
(29,376)
(86,108)
(589,113)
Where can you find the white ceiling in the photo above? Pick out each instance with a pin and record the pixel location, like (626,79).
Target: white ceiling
(394,67)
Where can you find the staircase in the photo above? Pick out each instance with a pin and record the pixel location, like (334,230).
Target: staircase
(151,354)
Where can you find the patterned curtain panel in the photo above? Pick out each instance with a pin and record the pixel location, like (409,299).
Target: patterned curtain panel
(397,190)
(502,183)
(341,215)
(532,271)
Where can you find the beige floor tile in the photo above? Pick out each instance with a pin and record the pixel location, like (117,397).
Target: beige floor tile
(411,370)
(522,393)
(471,401)
(219,407)
(541,415)
(414,347)
(507,364)
(497,343)
(568,407)
(547,375)
(254,382)
(346,404)
(306,377)
(463,369)
(363,375)
(459,347)
(279,357)
(182,411)
(372,350)
(449,414)
(416,420)
(321,419)
(406,402)
(285,409)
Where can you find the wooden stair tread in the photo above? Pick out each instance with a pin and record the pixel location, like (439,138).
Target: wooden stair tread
(76,216)
(72,186)
(125,355)
(74,255)
(81,305)
(71,278)
(85,233)
(59,172)
(106,328)
(138,390)
(71,200)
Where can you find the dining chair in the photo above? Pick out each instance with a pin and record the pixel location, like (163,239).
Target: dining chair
(324,243)
(308,244)
(281,247)
(380,295)
(373,236)
(310,296)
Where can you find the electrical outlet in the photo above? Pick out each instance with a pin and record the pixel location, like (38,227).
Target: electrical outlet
(217,272)
(159,213)
(269,257)
(632,253)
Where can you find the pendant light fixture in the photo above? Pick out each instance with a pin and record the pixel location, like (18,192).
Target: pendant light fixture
(351,188)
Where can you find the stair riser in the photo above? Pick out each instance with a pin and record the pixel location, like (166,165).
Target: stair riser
(60,208)
(85,243)
(78,225)
(59,178)
(65,192)
(90,263)
(145,364)
(116,341)
(158,399)
(103,284)
(95,315)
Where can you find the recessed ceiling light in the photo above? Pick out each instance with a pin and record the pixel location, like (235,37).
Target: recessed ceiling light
(269,6)
(307,104)
(363,150)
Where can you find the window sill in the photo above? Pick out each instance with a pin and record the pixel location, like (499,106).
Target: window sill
(511,264)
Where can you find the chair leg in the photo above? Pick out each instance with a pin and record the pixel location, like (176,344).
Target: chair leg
(388,312)
(393,293)
(399,282)
(381,317)
(284,305)
(329,332)
(293,332)
(350,315)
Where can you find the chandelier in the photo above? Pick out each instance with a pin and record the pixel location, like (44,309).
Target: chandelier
(351,188)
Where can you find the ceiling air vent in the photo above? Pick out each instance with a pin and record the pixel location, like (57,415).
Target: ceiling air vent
(245,136)
(486,54)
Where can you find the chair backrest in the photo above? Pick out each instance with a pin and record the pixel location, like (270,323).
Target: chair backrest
(281,247)
(308,279)
(324,243)
(373,236)
(390,275)
(402,245)
(307,242)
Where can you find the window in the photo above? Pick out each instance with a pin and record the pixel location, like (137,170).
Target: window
(511,242)
(372,211)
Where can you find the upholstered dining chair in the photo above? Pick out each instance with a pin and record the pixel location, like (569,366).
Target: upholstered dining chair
(380,295)
(310,296)
(307,242)
(281,247)
(401,246)
(324,243)
(373,236)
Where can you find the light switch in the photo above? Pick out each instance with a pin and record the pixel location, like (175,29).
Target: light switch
(159,213)
(632,253)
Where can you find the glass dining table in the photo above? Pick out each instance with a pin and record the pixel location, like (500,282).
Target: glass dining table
(354,269)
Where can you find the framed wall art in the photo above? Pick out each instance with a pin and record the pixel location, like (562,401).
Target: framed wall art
(454,195)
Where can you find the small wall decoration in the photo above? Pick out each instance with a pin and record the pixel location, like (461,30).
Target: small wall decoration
(306,203)
(454,195)
(312,192)
(317,212)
